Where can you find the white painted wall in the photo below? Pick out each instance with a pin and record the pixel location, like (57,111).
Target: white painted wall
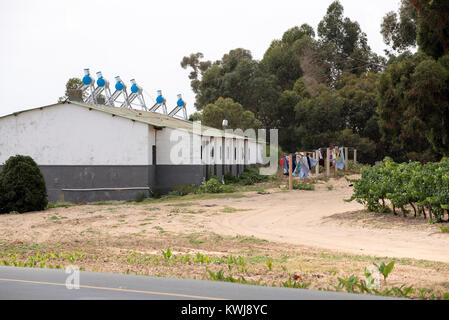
(68,134)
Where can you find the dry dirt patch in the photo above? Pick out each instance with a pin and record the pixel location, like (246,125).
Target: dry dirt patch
(266,238)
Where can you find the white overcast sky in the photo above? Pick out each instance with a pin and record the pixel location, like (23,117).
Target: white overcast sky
(45,42)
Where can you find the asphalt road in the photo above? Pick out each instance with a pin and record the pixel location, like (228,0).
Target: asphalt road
(39,284)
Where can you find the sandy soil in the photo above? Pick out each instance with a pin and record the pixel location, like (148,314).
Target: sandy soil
(315,219)
(319,219)
(311,233)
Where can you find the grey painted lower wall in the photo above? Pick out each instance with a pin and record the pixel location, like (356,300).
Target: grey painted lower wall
(58,178)
(163,177)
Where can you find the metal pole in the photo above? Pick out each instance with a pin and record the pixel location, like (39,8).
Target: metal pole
(290,173)
(355,156)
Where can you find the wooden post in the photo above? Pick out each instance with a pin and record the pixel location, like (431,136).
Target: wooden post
(317,168)
(335,165)
(346,158)
(355,156)
(328,159)
(290,173)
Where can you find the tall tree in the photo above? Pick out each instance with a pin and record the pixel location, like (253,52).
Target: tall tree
(403,128)
(425,22)
(345,45)
(238,118)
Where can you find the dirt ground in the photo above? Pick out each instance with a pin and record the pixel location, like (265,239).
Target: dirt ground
(276,235)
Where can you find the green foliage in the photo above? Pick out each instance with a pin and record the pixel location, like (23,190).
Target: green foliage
(22,186)
(251,176)
(444,229)
(157,193)
(420,186)
(72,84)
(270,264)
(184,189)
(302,186)
(213,185)
(225,108)
(384,269)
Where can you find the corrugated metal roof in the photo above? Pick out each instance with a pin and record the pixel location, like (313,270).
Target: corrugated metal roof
(157,120)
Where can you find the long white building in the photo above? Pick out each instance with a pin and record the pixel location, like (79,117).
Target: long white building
(95,152)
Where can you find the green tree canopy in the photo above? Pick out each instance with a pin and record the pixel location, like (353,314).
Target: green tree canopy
(225,108)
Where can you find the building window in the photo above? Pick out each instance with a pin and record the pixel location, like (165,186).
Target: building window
(201,152)
(235,153)
(212,152)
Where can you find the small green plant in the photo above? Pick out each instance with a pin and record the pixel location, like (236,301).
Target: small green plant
(183,189)
(167,254)
(270,264)
(385,270)
(444,229)
(330,187)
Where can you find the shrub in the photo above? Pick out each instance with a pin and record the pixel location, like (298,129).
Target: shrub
(157,193)
(251,176)
(22,186)
(183,189)
(227,188)
(211,186)
(230,179)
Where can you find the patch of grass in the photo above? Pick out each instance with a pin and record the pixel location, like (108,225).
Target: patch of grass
(251,239)
(330,187)
(52,205)
(160,229)
(302,186)
(54,218)
(181,204)
(444,229)
(144,224)
(153,209)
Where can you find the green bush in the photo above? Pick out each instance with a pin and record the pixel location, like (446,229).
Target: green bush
(227,188)
(183,189)
(157,193)
(251,176)
(22,186)
(422,187)
(213,185)
(230,179)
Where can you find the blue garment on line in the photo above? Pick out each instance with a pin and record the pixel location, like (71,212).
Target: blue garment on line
(313,162)
(341,162)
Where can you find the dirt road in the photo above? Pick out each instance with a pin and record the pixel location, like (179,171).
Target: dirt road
(305,218)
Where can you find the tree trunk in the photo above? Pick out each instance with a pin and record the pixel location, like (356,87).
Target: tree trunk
(394,211)
(414,208)
(430,212)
